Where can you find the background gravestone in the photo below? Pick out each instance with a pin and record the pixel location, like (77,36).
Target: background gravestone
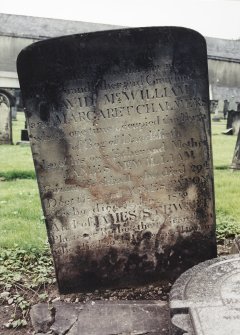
(24,133)
(119,128)
(5,120)
(206,299)
(233,121)
(236,156)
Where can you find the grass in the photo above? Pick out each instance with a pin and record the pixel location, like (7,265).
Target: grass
(21,216)
(227,182)
(21,221)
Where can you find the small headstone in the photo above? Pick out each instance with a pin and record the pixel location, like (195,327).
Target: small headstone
(213,106)
(14,113)
(233,121)
(216,118)
(5,120)
(107,318)
(236,156)
(225,108)
(206,299)
(119,128)
(24,134)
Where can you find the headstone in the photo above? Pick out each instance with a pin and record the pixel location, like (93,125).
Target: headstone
(214,109)
(14,113)
(119,128)
(206,299)
(236,156)
(233,121)
(103,318)
(24,134)
(225,108)
(238,106)
(213,106)
(5,120)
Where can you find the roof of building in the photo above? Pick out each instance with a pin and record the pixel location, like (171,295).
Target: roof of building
(40,28)
(223,49)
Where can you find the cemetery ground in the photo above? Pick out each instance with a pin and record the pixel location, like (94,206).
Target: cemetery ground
(26,269)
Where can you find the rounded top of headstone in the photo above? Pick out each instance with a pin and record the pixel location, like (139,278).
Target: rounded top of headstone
(63,58)
(122,32)
(104,39)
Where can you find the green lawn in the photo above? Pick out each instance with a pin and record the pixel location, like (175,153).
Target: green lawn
(21,219)
(227,182)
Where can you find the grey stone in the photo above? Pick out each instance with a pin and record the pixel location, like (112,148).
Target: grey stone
(65,316)
(5,120)
(119,127)
(236,245)
(42,317)
(4,294)
(214,107)
(108,318)
(206,299)
(236,155)
(233,121)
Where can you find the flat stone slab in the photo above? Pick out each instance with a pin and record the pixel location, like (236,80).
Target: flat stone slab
(104,318)
(206,299)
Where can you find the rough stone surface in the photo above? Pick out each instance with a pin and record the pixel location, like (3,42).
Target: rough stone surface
(108,318)
(65,316)
(233,121)
(119,128)
(5,120)
(42,317)
(206,299)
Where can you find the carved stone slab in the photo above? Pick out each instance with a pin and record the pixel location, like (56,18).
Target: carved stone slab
(120,136)
(5,120)
(102,318)
(206,299)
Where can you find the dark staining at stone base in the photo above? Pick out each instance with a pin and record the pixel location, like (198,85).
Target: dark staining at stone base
(123,268)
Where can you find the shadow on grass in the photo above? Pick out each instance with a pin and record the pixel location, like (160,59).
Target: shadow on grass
(222,167)
(11,175)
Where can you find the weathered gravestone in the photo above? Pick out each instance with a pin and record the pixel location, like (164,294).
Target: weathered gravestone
(119,128)
(5,120)
(24,134)
(236,156)
(214,106)
(225,108)
(206,299)
(233,121)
